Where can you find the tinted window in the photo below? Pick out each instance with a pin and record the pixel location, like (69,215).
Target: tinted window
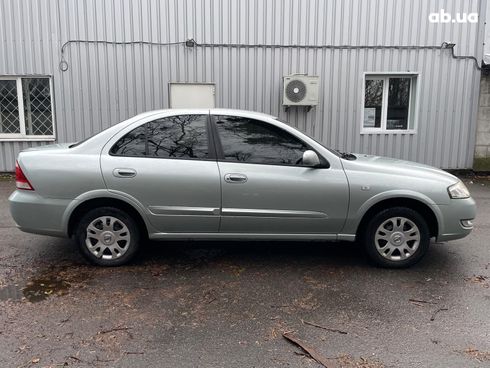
(373,99)
(398,103)
(253,141)
(132,144)
(183,136)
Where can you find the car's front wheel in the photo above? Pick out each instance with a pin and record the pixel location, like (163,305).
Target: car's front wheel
(397,237)
(107,236)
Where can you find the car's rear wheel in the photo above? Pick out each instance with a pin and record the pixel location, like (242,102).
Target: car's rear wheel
(107,236)
(396,237)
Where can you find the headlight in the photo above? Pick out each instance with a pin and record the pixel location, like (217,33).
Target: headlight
(458,191)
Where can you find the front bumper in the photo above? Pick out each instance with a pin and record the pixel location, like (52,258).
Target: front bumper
(451,226)
(35,214)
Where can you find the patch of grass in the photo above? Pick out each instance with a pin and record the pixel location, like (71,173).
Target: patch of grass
(481,164)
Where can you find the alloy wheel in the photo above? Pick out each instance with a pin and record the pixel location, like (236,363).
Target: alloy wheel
(397,238)
(107,237)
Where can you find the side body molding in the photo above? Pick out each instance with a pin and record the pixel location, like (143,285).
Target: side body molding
(104,193)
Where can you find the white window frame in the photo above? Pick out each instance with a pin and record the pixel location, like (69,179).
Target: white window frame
(22,136)
(412,118)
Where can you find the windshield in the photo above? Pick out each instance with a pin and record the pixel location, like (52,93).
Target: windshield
(335,152)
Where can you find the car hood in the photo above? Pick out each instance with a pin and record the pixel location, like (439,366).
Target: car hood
(398,167)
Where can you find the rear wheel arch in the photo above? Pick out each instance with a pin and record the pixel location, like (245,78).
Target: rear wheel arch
(80,210)
(420,207)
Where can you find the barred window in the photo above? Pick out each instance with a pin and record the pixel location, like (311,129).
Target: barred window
(26,109)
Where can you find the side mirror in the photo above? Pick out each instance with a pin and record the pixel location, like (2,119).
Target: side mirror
(310,159)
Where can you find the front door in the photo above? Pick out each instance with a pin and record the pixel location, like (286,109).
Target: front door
(167,165)
(265,188)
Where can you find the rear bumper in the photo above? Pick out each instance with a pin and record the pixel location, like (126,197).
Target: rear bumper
(35,214)
(450,225)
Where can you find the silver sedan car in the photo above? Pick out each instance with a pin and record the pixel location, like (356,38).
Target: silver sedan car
(229,174)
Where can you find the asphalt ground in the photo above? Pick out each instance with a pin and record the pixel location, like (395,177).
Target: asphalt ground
(228,304)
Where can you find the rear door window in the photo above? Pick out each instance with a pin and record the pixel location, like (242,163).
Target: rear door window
(182,136)
(132,144)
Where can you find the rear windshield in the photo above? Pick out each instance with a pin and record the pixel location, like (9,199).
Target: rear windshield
(76,144)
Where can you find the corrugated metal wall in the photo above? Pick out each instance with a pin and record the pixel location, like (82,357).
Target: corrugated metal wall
(109,83)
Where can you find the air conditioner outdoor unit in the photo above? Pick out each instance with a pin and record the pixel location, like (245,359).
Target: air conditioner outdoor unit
(300,90)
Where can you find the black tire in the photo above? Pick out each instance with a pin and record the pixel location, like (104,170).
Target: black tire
(369,239)
(132,243)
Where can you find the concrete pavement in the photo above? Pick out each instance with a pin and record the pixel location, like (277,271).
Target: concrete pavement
(209,304)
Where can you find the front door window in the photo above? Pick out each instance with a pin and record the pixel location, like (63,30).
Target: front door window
(252,141)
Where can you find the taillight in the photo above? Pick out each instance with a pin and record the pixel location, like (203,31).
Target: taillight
(20,179)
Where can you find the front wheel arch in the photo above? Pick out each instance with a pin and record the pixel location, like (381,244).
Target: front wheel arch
(424,210)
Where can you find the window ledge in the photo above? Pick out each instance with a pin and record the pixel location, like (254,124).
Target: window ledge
(27,139)
(389,132)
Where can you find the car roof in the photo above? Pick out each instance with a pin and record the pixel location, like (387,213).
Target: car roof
(214,111)
(240,113)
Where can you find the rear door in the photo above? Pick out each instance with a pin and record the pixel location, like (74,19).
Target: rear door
(169,166)
(265,188)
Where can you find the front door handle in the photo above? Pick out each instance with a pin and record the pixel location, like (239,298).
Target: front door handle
(235,178)
(124,173)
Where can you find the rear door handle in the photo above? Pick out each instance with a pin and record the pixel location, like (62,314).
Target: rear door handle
(235,178)
(124,173)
